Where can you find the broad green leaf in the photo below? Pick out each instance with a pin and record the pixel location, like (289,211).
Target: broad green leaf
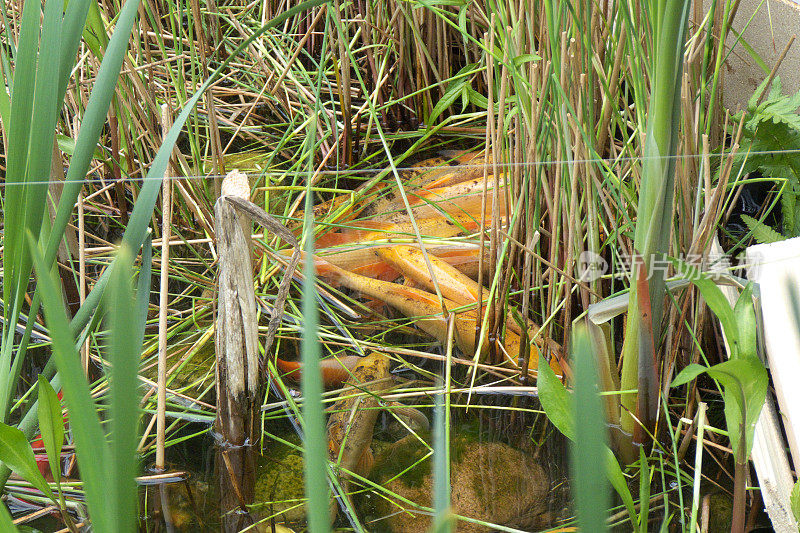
(525,58)
(51,424)
(459,86)
(620,484)
(686,375)
(716,301)
(67,146)
(94,33)
(744,383)
(746,322)
(16,453)
(789,210)
(555,399)
(477,98)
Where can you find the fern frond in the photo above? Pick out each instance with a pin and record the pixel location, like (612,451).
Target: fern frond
(761,232)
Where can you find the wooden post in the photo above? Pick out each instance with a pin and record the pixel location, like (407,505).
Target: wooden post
(238,383)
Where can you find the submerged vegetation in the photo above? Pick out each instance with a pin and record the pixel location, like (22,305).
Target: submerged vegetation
(569,157)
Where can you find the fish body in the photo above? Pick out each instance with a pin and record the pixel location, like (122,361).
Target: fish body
(335,370)
(353,417)
(426,308)
(427,181)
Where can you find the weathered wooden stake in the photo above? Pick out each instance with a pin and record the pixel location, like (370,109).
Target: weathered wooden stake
(238,383)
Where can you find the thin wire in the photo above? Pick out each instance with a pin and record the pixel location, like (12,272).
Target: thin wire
(356,172)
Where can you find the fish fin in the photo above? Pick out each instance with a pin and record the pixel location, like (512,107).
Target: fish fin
(365,462)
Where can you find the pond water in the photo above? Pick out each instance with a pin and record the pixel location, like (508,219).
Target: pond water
(507,468)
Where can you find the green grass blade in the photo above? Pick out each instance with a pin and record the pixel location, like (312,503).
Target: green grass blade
(443,520)
(74,22)
(94,119)
(18,130)
(33,116)
(90,441)
(126,342)
(5,109)
(644,491)
(588,448)
(316,450)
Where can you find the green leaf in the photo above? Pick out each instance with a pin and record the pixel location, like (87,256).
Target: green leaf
(744,383)
(789,210)
(555,399)
(459,86)
(715,300)
(6,523)
(761,232)
(75,13)
(126,343)
(644,491)
(450,95)
(94,33)
(27,171)
(525,58)
(90,439)
(753,101)
(477,98)
(620,484)
(794,501)
(591,494)
(556,402)
(5,105)
(686,375)
(777,108)
(746,322)
(16,453)
(51,424)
